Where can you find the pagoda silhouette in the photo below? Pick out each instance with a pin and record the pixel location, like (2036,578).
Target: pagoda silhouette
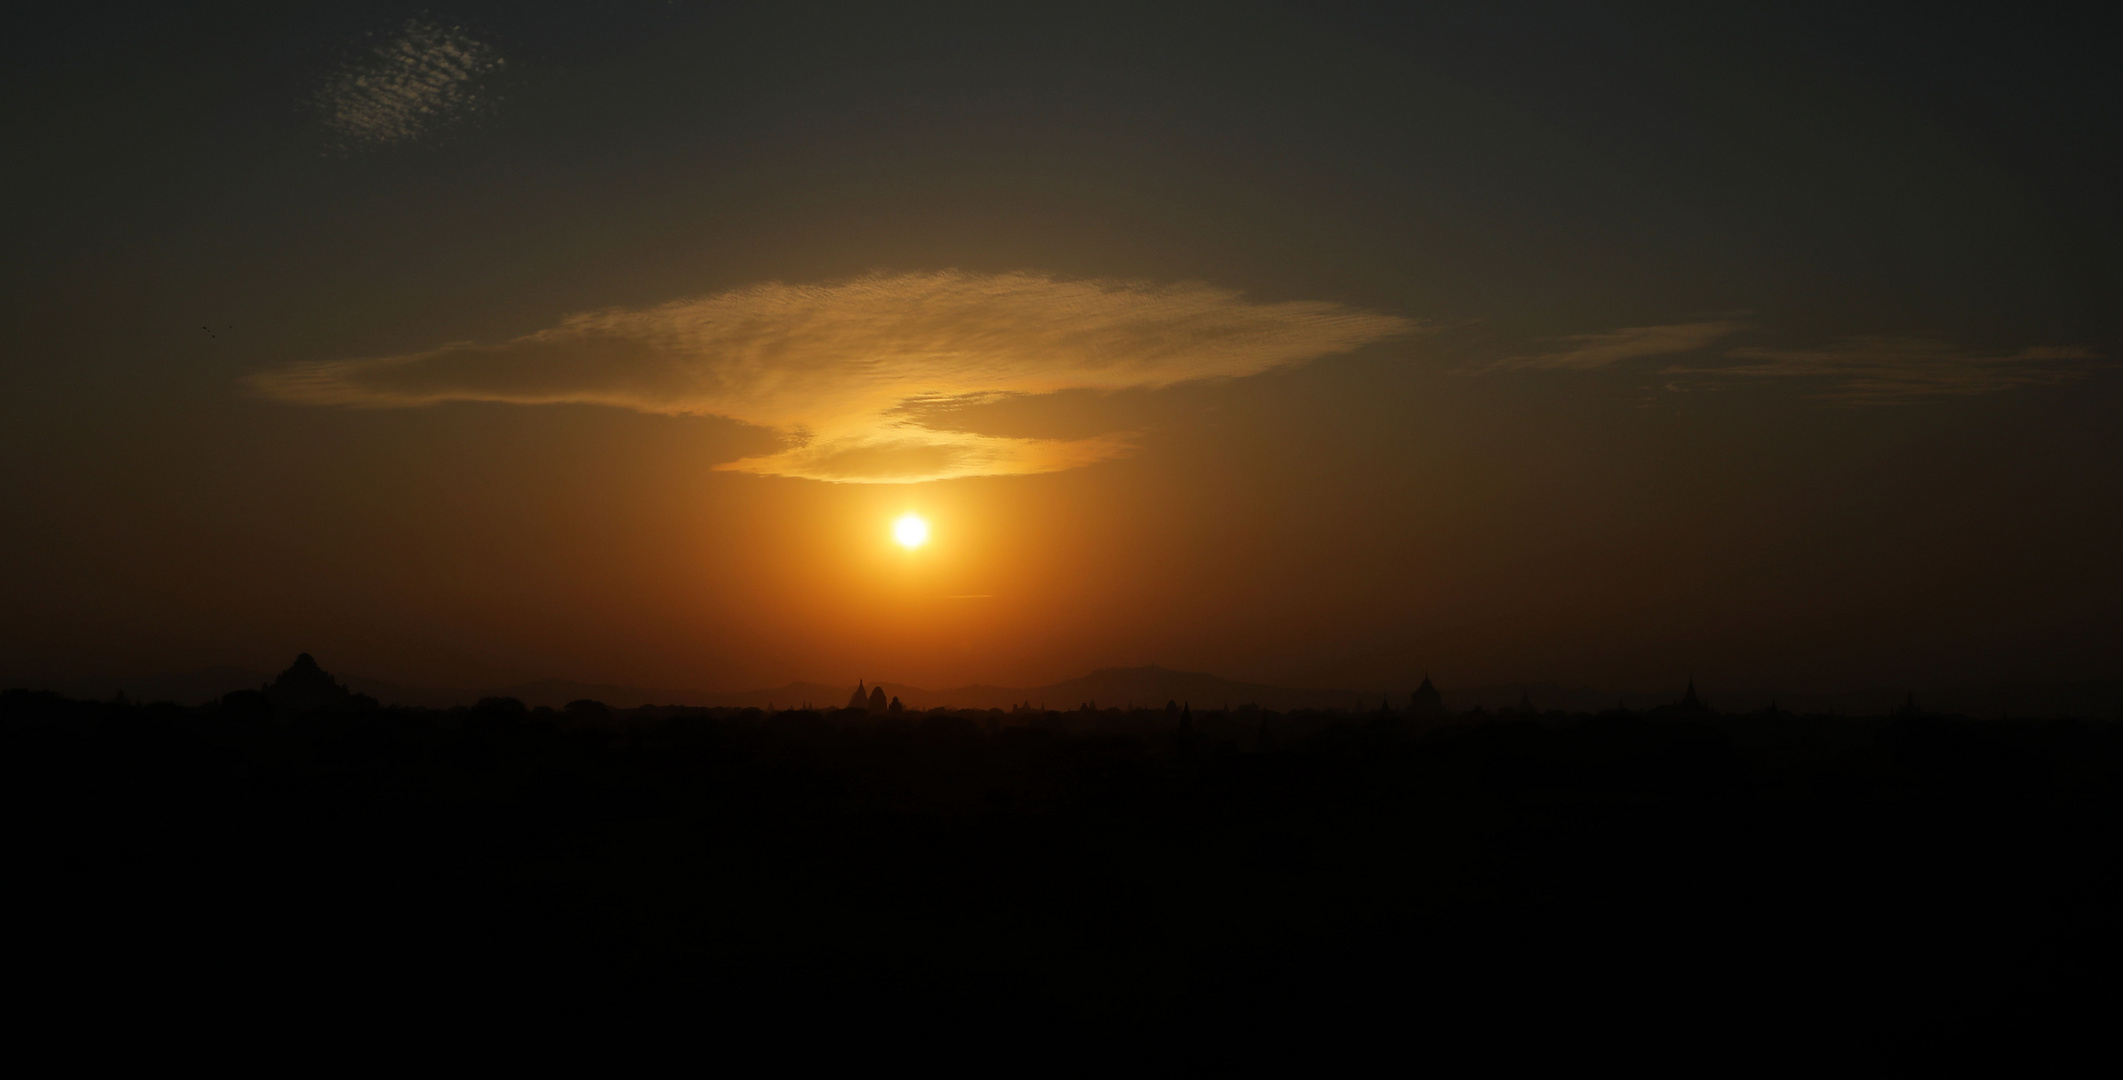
(871,700)
(1690,705)
(1426,701)
(305,687)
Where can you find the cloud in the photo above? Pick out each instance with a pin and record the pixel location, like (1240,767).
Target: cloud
(1884,369)
(1857,370)
(423,76)
(843,369)
(1585,351)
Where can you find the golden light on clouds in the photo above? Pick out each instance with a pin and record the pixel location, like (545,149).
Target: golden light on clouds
(911,531)
(838,368)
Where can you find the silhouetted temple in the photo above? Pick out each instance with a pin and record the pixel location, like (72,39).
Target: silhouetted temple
(1691,705)
(305,687)
(1426,701)
(870,699)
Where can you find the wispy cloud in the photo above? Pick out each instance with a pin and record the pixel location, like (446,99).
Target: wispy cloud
(835,366)
(1885,369)
(1583,351)
(1856,370)
(422,76)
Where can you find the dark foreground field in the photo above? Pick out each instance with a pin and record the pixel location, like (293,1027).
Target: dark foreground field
(1230,879)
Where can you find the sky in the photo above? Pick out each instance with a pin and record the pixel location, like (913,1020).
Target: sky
(1305,344)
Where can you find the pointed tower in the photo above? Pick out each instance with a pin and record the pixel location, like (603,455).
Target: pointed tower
(861,698)
(1691,704)
(1426,701)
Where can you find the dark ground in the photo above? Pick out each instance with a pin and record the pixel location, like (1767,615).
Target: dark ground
(1891,886)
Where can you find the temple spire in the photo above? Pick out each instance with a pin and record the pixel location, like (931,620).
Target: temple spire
(1426,701)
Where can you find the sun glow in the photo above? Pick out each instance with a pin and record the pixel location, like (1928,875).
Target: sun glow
(911,531)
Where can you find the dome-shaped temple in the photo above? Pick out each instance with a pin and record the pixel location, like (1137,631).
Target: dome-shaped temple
(1426,701)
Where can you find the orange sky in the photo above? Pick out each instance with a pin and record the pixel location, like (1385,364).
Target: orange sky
(1322,350)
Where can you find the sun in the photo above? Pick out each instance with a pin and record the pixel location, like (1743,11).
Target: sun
(911,531)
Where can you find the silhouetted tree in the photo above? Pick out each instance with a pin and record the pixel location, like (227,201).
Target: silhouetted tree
(587,711)
(503,710)
(1197,868)
(248,706)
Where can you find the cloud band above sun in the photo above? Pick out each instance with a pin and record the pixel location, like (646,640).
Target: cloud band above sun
(832,366)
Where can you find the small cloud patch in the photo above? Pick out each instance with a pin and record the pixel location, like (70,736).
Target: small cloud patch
(420,77)
(1858,370)
(1876,370)
(1587,351)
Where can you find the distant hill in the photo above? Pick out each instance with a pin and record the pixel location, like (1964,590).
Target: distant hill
(209,684)
(558,692)
(2092,698)
(1146,686)
(1149,686)
(184,688)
